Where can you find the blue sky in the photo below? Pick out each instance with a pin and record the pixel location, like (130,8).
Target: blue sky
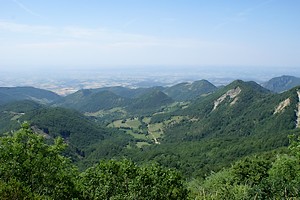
(101,33)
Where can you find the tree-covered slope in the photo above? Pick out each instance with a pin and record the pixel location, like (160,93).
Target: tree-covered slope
(205,134)
(11,112)
(149,102)
(189,91)
(75,128)
(92,101)
(31,168)
(128,92)
(10,94)
(85,137)
(241,119)
(282,83)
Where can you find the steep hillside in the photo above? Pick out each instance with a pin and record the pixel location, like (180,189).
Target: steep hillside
(241,119)
(92,101)
(282,83)
(128,92)
(11,112)
(69,124)
(85,138)
(189,91)
(139,100)
(10,94)
(149,102)
(197,136)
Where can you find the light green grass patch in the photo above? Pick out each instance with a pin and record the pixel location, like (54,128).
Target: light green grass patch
(135,123)
(102,113)
(146,120)
(16,117)
(117,124)
(141,144)
(138,136)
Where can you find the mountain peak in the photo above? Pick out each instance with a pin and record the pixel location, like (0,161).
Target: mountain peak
(188,91)
(247,86)
(232,94)
(11,94)
(282,83)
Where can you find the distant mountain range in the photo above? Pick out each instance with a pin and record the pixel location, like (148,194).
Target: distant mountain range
(88,100)
(10,94)
(146,99)
(195,127)
(189,91)
(282,83)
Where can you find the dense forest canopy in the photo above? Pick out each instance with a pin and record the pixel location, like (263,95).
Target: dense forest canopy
(230,142)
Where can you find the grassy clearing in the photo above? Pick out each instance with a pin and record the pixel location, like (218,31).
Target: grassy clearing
(129,123)
(115,124)
(133,126)
(141,144)
(102,113)
(157,135)
(155,127)
(146,120)
(135,123)
(173,107)
(16,117)
(138,136)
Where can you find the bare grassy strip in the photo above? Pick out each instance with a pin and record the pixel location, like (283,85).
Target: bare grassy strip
(155,131)
(102,113)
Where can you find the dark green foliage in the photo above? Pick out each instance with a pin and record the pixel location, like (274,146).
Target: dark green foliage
(85,138)
(30,168)
(206,140)
(282,83)
(68,124)
(212,140)
(11,112)
(284,177)
(21,106)
(129,92)
(112,147)
(10,94)
(92,101)
(136,101)
(125,180)
(149,102)
(189,91)
(6,124)
(251,171)
(256,177)
(229,132)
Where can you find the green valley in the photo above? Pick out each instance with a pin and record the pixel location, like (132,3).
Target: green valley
(203,137)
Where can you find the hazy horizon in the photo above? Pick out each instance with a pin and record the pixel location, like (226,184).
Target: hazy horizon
(65,81)
(62,35)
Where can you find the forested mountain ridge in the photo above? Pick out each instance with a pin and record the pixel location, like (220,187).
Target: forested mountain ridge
(11,112)
(282,83)
(189,91)
(10,94)
(234,121)
(92,101)
(129,92)
(149,102)
(239,120)
(81,134)
(179,92)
